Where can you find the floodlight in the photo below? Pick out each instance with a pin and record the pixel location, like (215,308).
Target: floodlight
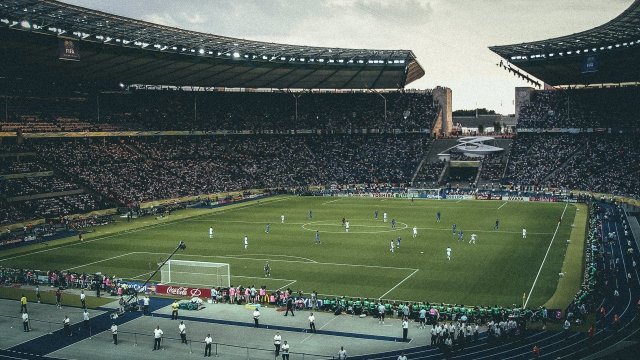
(25,24)
(236,54)
(201,51)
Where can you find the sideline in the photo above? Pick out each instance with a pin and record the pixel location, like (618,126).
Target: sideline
(569,285)
(545,255)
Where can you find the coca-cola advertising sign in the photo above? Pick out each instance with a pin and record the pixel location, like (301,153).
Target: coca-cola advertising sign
(182,291)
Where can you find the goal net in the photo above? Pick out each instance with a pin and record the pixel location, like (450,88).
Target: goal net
(424,193)
(195,273)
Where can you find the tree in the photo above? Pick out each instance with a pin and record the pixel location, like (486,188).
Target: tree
(480,129)
(497,128)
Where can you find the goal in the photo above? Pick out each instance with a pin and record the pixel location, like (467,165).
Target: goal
(424,193)
(195,273)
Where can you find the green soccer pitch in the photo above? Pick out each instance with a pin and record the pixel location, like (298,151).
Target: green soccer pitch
(498,269)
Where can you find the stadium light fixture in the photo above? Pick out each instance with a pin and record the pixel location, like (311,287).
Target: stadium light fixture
(341,61)
(264,57)
(236,54)
(245,56)
(283,58)
(25,24)
(331,60)
(201,51)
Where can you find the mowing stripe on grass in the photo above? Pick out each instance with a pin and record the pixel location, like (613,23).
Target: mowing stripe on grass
(289,261)
(398,284)
(171,222)
(545,255)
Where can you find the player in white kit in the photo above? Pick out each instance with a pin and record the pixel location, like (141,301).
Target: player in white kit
(246,242)
(524,233)
(384,217)
(392,249)
(448,253)
(281,219)
(473,239)
(346,226)
(210,233)
(415,231)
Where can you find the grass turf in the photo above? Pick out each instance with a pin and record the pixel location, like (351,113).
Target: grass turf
(497,270)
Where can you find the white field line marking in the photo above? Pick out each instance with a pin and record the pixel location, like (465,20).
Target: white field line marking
(141,275)
(286,256)
(500,207)
(330,201)
(398,284)
(458,201)
(545,255)
(245,222)
(263,278)
(222,210)
(99,261)
(293,282)
(288,261)
(322,327)
(484,231)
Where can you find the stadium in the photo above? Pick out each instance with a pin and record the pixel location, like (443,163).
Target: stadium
(154,177)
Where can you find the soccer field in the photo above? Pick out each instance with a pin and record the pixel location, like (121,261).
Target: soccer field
(497,270)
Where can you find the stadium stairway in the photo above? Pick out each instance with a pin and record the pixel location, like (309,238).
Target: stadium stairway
(557,344)
(39,347)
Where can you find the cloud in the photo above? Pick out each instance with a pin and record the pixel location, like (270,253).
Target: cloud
(162,19)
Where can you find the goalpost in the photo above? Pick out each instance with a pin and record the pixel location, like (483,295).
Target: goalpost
(195,273)
(424,193)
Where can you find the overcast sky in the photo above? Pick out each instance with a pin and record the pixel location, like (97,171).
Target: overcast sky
(449,37)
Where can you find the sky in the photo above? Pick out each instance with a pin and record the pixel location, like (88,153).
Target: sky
(450,38)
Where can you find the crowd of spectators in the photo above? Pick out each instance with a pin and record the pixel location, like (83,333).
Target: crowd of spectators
(603,163)
(429,174)
(150,169)
(180,110)
(20,166)
(492,168)
(582,108)
(534,157)
(35,185)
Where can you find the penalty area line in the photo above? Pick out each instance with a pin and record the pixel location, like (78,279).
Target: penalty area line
(500,207)
(330,201)
(398,284)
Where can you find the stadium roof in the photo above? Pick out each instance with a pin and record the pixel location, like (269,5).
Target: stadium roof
(117,49)
(606,54)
